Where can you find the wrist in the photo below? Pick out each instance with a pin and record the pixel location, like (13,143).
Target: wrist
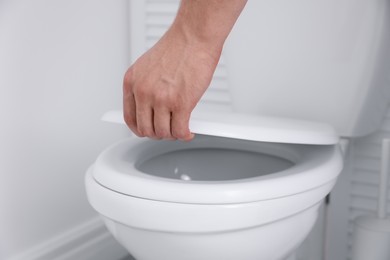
(198,33)
(207,22)
(181,33)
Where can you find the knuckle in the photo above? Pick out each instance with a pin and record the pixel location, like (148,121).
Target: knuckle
(163,133)
(129,120)
(146,132)
(140,93)
(128,78)
(164,99)
(176,107)
(179,133)
(180,107)
(161,99)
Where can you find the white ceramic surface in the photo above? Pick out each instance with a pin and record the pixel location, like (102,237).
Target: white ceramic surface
(274,241)
(211,219)
(325,61)
(150,230)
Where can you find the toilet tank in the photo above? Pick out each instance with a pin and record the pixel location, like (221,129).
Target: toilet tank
(322,60)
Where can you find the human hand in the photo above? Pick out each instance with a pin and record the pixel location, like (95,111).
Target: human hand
(163,86)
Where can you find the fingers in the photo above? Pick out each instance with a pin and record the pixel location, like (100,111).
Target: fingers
(156,123)
(162,123)
(144,114)
(129,114)
(154,120)
(179,125)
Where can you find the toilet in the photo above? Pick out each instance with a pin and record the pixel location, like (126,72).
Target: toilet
(250,184)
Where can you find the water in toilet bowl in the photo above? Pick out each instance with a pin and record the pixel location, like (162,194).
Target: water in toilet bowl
(224,164)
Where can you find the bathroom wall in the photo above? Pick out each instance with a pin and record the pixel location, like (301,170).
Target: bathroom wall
(61,67)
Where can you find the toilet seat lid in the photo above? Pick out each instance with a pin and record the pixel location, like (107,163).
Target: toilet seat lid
(253,127)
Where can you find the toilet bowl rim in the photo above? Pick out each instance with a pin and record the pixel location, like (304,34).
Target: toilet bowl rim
(189,218)
(316,165)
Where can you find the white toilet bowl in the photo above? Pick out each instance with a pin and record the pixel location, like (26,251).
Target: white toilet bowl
(212,198)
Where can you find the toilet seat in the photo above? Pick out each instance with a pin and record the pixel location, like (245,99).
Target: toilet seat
(116,169)
(253,127)
(147,214)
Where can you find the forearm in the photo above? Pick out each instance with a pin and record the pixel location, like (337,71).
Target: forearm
(207,22)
